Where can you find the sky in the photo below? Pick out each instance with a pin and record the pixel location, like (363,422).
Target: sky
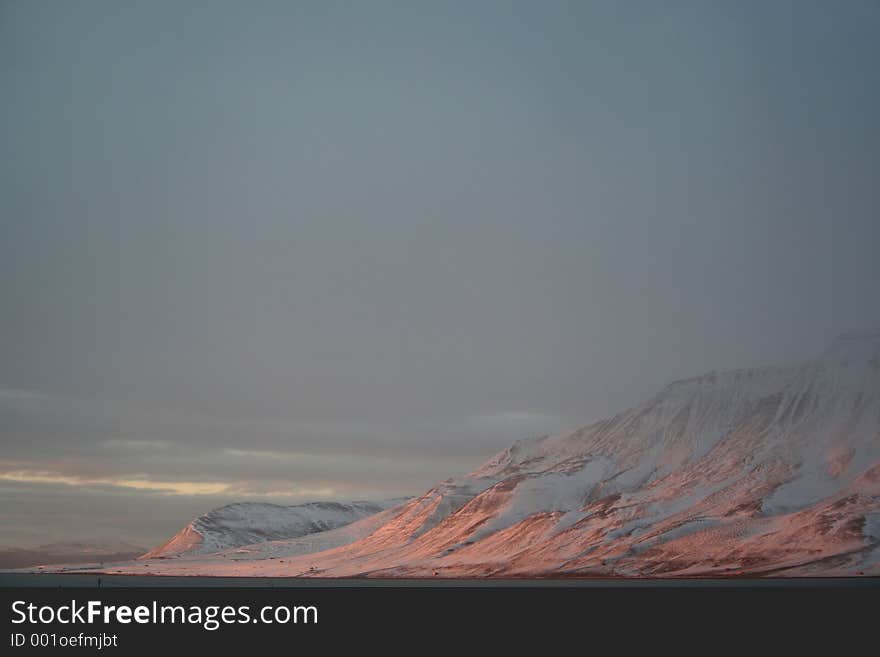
(285,251)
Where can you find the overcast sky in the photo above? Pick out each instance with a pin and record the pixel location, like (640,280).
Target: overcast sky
(287,251)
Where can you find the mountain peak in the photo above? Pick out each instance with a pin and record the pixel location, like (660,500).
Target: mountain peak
(760,471)
(243,523)
(856,344)
(854,351)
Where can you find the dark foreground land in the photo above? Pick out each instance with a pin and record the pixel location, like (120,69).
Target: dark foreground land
(88,580)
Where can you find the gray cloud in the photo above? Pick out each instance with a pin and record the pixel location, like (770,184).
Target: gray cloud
(387,240)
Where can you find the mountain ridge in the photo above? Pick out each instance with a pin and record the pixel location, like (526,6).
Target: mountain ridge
(245,523)
(760,471)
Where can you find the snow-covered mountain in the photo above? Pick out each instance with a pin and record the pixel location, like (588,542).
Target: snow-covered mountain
(771,471)
(246,523)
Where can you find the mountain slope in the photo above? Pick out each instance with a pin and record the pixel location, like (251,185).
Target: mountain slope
(246,523)
(760,471)
(768,471)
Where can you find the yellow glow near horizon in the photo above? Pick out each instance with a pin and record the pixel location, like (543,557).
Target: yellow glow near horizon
(174,487)
(138,482)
